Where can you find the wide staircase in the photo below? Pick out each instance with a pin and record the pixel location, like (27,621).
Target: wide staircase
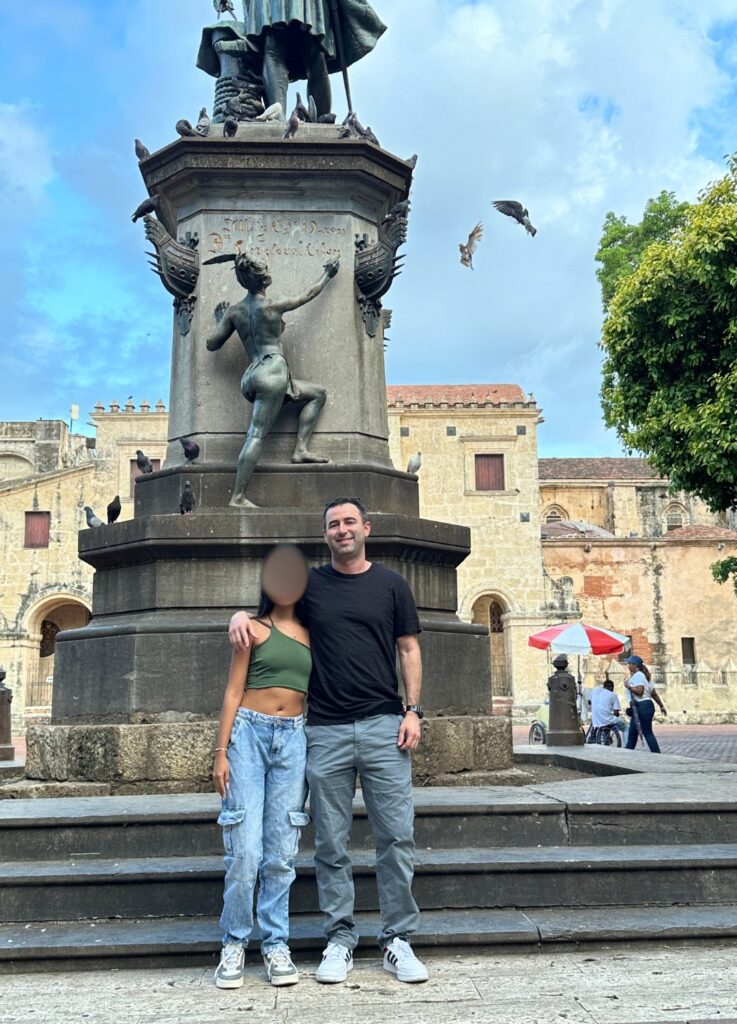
(138,880)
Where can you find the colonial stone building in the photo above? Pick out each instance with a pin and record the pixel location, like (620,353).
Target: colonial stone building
(637,557)
(479,468)
(47,476)
(552,539)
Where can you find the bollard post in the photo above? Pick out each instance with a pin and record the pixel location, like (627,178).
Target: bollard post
(7,750)
(564,729)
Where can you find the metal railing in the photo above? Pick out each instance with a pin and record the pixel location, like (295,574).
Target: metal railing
(38,693)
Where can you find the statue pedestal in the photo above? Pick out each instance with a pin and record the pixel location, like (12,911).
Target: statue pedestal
(136,692)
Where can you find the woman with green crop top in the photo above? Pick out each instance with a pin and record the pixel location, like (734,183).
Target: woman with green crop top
(259,772)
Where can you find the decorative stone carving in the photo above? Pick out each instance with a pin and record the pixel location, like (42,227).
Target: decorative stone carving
(184,311)
(376,266)
(176,263)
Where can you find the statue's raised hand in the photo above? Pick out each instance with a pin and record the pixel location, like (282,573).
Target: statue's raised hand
(332,266)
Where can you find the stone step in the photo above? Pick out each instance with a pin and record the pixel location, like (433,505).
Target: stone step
(606,812)
(444,879)
(148,942)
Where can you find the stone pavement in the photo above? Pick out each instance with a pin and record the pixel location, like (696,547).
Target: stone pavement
(674,984)
(708,742)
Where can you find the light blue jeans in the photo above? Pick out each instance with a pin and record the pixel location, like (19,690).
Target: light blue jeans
(262,817)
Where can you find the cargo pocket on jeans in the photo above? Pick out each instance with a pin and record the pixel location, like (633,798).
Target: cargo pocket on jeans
(229,819)
(297,821)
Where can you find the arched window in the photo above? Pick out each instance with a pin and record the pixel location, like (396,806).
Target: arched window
(495,617)
(49,630)
(554,514)
(674,517)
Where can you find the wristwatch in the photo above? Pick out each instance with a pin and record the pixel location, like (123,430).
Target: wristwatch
(417,708)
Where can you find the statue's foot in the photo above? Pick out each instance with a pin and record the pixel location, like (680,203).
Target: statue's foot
(242,503)
(303,455)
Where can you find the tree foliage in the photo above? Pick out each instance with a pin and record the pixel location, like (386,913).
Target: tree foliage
(670,348)
(669,384)
(622,244)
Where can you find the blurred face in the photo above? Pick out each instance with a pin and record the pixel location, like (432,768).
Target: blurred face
(345,532)
(284,576)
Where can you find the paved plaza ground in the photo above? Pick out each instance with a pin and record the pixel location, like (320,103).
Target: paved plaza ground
(708,742)
(614,985)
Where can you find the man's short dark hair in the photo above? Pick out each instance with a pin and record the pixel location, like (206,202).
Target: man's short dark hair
(346,501)
(608,684)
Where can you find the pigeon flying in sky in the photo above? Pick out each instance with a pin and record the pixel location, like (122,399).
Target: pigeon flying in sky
(143,462)
(113,509)
(186,499)
(92,519)
(150,205)
(191,449)
(469,248)
(415,463)
(142,152)
(511,208)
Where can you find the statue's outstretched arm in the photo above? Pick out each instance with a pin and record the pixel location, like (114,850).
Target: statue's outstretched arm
(221,333)
(282,305)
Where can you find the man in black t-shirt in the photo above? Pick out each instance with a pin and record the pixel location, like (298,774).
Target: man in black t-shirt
(360,616)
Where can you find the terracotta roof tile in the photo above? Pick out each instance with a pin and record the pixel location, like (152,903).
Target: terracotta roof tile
(596,469)
(699,532)
(438,394)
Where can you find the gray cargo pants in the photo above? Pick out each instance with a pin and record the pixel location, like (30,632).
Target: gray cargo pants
(335,755)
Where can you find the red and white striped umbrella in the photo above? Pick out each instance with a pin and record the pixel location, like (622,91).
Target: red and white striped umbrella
(579,638)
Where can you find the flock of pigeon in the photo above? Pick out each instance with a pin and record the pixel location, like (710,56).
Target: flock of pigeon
(510,208)
(186,498)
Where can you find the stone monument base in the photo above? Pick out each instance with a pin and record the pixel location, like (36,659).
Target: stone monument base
(177,756)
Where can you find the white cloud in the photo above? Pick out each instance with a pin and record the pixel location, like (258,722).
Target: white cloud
(25,157)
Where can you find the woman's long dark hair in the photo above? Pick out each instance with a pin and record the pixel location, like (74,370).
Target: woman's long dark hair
(645,671)
(266,605)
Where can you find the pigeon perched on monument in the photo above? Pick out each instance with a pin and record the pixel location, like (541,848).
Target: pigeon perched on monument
(113,509)
(143,462)
(93,521)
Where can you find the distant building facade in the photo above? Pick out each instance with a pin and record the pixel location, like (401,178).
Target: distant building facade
(47,476)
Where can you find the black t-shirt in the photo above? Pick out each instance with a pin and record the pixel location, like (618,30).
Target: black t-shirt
(354,622)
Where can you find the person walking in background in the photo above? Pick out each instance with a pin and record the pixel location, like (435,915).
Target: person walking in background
(643,697)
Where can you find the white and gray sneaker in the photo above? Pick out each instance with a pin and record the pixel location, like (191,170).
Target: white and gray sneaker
(336,962)
(229,972)
(399,959)
(279,967)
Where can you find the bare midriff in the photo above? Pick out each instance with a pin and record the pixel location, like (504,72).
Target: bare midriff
(274,700)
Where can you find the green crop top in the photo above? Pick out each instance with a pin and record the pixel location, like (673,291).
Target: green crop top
(279,661)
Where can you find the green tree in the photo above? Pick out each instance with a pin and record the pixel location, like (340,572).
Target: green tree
(669,384)
(622,244)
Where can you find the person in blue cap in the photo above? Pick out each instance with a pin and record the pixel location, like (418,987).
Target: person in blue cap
(643,697)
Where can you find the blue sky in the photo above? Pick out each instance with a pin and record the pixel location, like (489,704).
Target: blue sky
(574,106)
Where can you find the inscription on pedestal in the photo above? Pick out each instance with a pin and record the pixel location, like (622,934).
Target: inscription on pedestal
(267,237)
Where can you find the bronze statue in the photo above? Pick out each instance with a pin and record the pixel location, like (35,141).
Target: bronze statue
(267,382)
(301,39)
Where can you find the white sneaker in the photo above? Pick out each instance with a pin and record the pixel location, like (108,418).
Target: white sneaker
(279,967)
(336,962)
(400,960)
(229,972)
